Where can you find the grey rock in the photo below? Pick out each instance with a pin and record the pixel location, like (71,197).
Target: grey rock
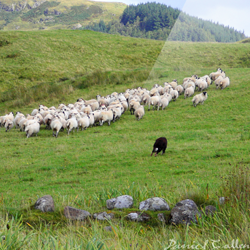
(185,212)
(38,3)
(76,26)
(57,13)
(45,204)
(103,216)
(75,214)
(138,216)
(108,228)
(210,210)
(124,201)
(154,204)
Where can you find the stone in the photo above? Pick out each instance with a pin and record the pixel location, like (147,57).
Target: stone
(210,210)
(75,214)
(154,204)
(108,228)
(138,216)
(124,201)
(76,26)
(103,216)
(185,212)
(45,204)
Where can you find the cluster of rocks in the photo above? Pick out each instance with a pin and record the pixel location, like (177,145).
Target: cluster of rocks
(184,212)
(19,6)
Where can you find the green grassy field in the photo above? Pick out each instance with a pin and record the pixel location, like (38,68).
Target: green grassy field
(86,168)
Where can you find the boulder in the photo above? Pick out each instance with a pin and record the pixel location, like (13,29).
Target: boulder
(45,204)
(185,212)
(124,201)
(75,214)
(138,216)
(154,204)
(103,216)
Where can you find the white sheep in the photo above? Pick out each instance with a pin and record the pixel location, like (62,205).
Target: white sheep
(133,105)
(106,116)
(56,125)
(97,115)
(83,122)
(173,84)
(72,124)
(217,81)
(154,101)
(18,117)
(91,119)
(9,116)
(174,94)
(8,125)
(180,89)
(32,129)
(139,112)
(188,92)
(202,84)
(216,74)
(34,112)
(200,98)
(153,92)
(117,112)
(164,102)
(224,83)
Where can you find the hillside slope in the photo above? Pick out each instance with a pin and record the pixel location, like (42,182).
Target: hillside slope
(88,167)
(34,15)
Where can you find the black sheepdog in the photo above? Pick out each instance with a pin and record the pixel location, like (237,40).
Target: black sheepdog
(160,145)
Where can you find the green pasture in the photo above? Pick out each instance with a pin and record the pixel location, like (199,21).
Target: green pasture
(87,167)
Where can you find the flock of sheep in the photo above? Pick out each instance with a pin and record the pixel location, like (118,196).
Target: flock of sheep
(86,113)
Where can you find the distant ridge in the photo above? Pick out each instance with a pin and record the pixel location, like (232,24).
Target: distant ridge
(147,20)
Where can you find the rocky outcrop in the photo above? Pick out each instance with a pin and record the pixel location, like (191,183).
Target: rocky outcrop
(20,6)
(53,12)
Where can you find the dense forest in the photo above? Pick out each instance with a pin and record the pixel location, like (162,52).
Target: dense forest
(161,22)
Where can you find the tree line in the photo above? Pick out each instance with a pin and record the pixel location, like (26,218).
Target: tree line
(161,22)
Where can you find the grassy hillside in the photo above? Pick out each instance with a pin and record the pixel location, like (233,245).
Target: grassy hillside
(86,168)
(56,14)
(30,58)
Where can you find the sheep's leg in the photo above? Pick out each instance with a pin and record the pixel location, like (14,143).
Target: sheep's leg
(109,122)
(57,133)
